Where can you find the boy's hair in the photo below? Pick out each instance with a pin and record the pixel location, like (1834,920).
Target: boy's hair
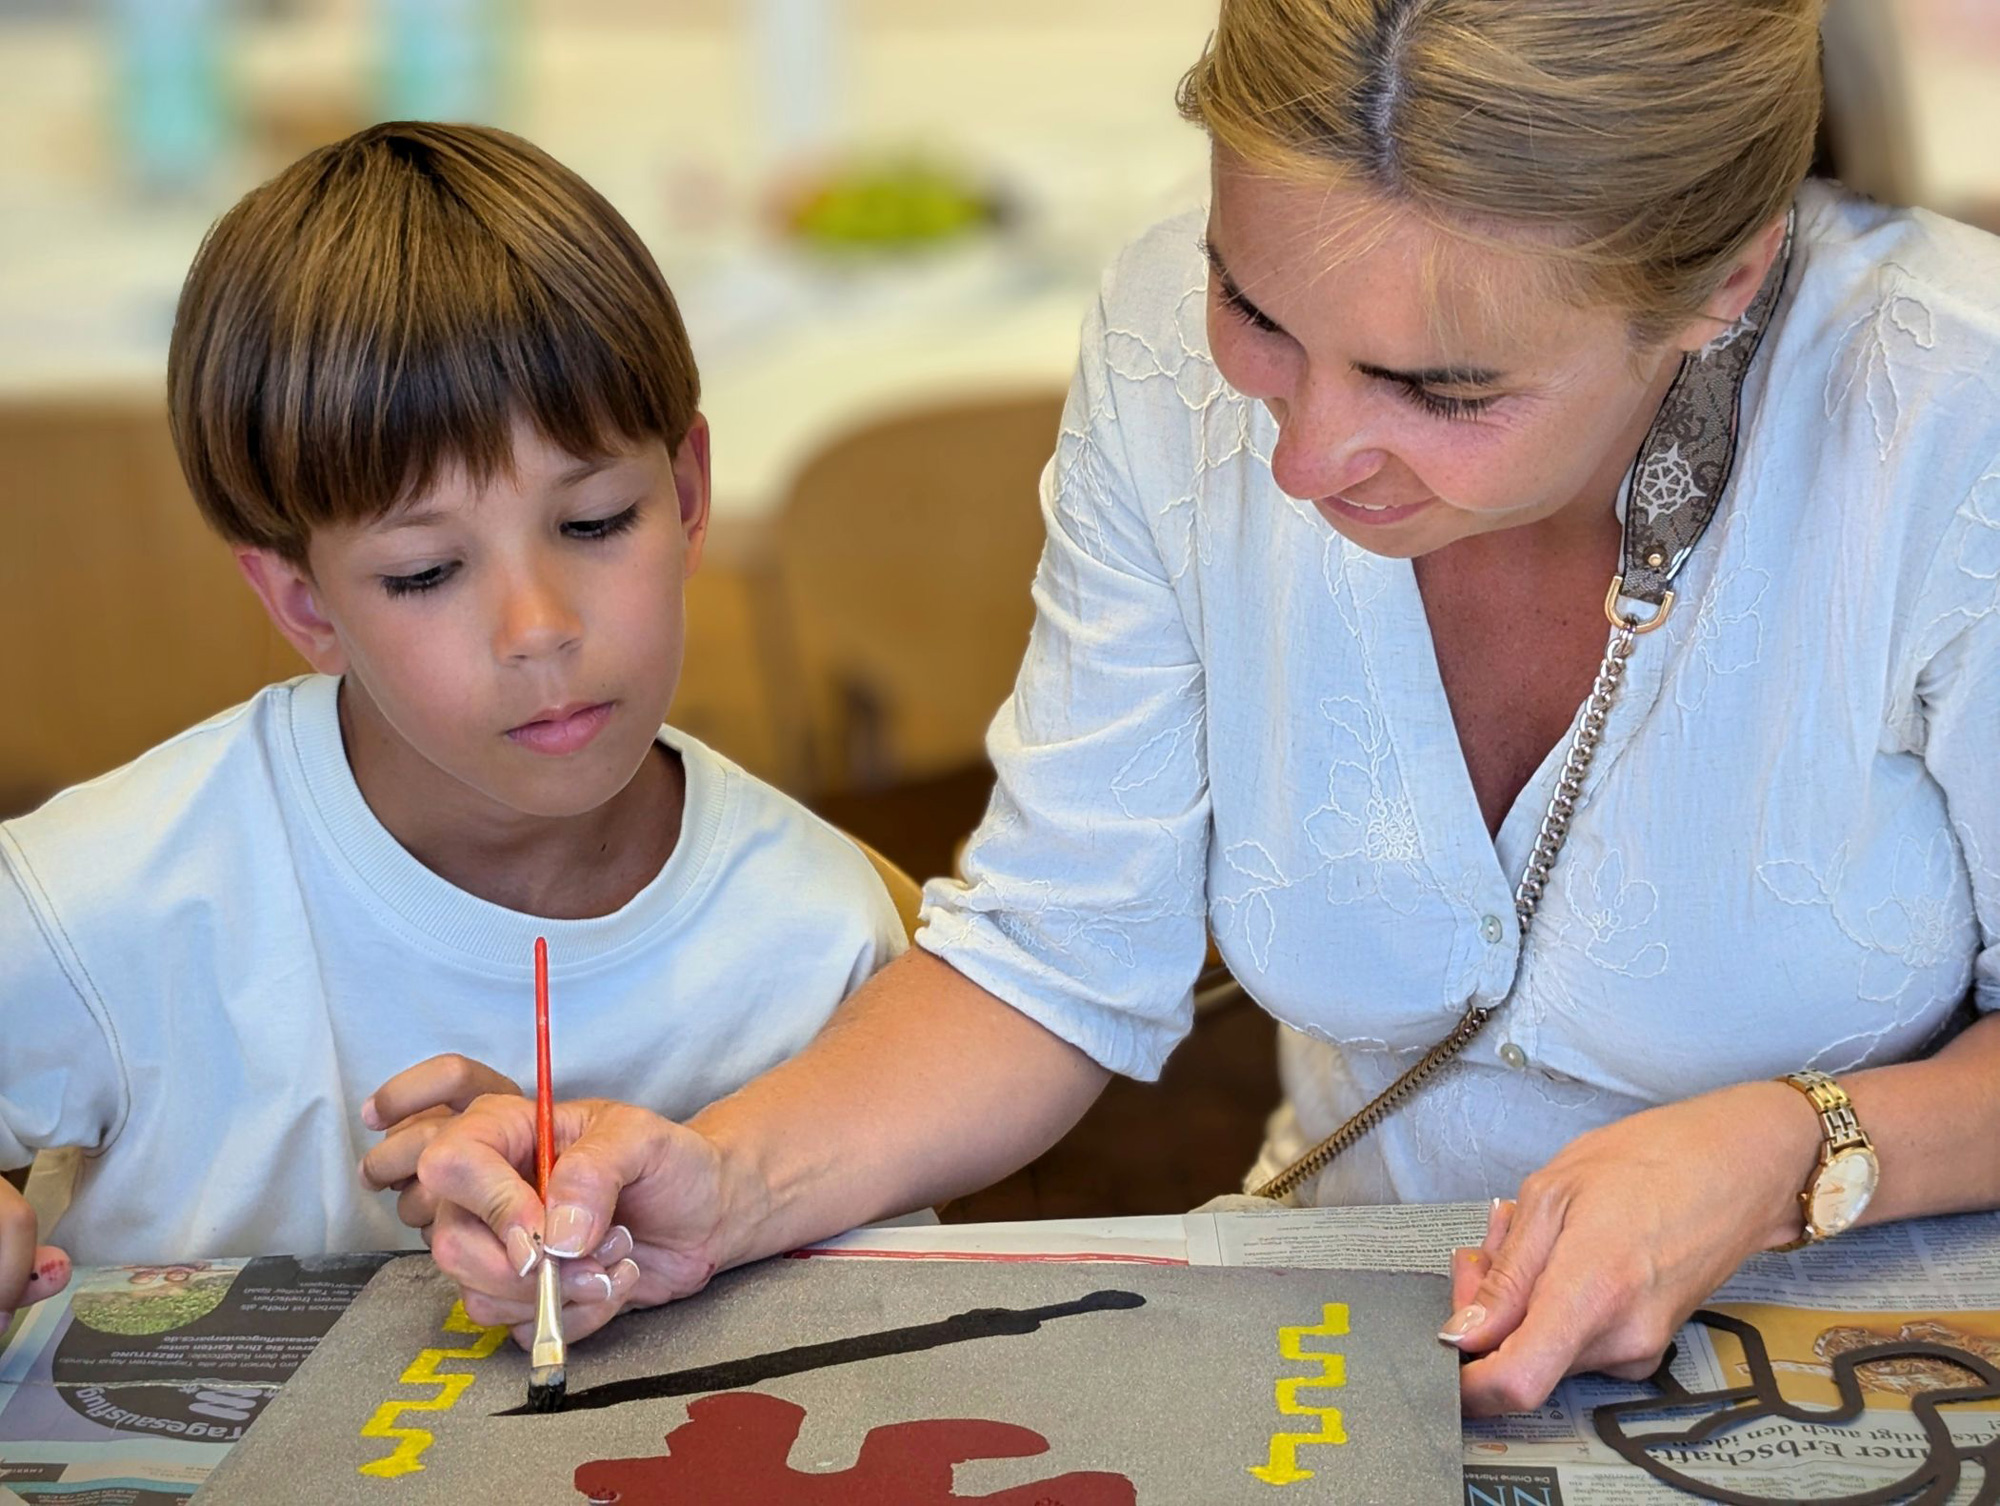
(388,307)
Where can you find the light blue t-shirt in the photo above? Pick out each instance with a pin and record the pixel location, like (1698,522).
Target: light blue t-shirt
(210,957)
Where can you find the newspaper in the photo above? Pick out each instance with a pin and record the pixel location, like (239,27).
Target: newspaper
(108,1400)
(129,1386)
(1934,1280)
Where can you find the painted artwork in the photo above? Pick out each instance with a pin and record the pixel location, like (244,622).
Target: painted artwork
(835,1382)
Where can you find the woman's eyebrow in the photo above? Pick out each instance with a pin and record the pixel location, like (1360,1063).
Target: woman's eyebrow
(1231,291)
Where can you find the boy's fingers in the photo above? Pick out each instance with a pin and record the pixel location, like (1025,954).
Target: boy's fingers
(17,1248)
(393,1158)
(450,1080)
(416,1206)
(52,1272)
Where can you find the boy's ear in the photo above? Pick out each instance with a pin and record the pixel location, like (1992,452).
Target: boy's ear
(288,594)
(692,487)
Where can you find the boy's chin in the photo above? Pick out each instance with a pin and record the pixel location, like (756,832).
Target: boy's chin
(568,789)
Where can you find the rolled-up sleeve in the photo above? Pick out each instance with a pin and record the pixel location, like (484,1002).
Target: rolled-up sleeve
(60,1081)
(1083,899)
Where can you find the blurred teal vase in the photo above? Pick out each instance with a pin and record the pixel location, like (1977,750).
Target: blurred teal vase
(445,59)
(168,92)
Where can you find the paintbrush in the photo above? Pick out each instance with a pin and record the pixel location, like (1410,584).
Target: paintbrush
(546,1379)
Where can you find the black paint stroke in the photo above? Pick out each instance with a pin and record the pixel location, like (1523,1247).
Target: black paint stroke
(1937,1476)
(734,1375)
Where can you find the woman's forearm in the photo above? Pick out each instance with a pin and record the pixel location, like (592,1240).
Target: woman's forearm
(1936,1127)
(922,1086)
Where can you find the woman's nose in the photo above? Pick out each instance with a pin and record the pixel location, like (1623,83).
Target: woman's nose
(1324,446)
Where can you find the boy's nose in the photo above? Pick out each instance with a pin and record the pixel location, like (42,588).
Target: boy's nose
(536,620)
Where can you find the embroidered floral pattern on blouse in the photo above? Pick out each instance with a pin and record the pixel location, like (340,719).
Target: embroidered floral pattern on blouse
(1873,347)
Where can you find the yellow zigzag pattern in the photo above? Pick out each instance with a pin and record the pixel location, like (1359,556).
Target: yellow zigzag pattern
(451,1384)
(1282,1467)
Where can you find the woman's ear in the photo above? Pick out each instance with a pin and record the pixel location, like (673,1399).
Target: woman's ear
(1738,290)
(286,588)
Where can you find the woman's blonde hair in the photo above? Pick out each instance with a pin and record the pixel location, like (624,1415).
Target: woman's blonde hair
(1644,142)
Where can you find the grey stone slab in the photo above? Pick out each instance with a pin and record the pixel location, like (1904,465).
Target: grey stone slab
(1174,1382)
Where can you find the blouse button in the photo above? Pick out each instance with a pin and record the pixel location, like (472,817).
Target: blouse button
(1491,929)
(1513,1055)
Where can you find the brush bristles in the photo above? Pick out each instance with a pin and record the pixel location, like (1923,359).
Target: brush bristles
(546,1385)
(548,1353)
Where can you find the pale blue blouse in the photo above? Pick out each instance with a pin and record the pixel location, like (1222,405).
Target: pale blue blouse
(1788,849)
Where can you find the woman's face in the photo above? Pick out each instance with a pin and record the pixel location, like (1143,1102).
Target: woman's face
(1426,389)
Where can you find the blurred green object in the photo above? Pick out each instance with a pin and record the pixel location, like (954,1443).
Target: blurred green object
(888,205)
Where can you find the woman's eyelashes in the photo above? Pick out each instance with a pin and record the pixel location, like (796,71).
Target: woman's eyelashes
(1436,404)
(580,530)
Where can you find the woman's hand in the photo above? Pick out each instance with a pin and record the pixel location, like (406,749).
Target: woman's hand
(411,1108)
(635,1204)
(28,1272)
(1621,1236)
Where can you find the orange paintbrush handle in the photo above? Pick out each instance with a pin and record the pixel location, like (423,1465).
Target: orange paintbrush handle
(545,1101)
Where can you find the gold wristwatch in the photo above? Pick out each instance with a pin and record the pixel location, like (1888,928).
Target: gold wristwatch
(1841,1185)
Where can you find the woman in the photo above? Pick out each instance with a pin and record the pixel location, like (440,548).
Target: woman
(1494,304)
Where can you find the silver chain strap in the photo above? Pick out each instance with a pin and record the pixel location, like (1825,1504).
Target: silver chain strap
(1527,899)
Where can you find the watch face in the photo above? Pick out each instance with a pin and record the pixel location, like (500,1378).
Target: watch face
(1842,1190)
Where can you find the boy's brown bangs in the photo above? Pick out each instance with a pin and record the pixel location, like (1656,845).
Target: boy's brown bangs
(388,309)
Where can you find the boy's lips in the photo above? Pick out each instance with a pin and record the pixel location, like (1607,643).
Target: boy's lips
(566,729)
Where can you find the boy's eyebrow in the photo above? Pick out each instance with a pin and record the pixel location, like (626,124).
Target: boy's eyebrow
(583,470)
(1423,376)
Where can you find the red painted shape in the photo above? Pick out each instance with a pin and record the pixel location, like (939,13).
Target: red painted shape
(733,1451)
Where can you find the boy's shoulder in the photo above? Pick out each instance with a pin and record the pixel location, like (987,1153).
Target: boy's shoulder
(749,838)
(127,829)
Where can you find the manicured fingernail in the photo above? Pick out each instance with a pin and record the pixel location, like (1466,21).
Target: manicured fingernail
(588,1286)
(624,1276)
(521,1250)
(567,1228)
(370,1116)
(616,1246)
(1462,1323)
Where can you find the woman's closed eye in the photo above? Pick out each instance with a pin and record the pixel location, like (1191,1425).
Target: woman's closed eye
(1443,405)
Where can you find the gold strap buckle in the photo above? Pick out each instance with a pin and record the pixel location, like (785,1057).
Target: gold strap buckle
(1656,621)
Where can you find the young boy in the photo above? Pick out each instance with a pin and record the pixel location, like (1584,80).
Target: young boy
(435,393)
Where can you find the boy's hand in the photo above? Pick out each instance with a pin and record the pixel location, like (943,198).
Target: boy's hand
(28,1271)
(412,1107)
(629,1191)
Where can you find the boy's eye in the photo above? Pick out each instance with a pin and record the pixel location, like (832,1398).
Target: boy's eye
(421,580)
(602,528)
